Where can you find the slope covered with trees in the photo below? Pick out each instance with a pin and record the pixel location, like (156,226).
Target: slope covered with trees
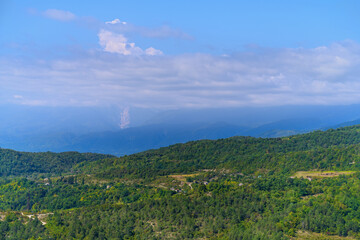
(235,188)
(13,163)
(332,150)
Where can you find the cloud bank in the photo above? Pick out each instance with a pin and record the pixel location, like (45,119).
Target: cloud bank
(260,77)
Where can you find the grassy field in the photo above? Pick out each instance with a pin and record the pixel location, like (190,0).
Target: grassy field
(321,174)
(182,177)
(303,235)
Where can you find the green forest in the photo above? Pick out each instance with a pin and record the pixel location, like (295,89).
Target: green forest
(299,187)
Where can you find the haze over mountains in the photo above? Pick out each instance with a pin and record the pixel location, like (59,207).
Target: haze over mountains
(123,131)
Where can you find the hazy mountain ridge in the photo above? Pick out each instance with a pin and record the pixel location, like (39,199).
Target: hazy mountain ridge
(98,130)
(137,139)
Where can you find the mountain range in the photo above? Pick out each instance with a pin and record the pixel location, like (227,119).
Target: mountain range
(99,130)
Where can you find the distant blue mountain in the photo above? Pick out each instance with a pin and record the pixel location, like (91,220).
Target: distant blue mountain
(127,141)
(345,124)
(93,129)
(286,127)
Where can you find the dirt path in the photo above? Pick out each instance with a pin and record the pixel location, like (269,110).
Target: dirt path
(40,216)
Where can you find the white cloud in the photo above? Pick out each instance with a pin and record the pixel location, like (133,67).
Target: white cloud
(116,21)
(59,15)
(124,118)
(328,75)
(152,51)
(18,97)
(165,31)
(118,43)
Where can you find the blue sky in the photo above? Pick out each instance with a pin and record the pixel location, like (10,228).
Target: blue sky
(179,54)
(214,26)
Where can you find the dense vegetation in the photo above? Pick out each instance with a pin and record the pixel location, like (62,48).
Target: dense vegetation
(13,163)
(333,150)
(235,188)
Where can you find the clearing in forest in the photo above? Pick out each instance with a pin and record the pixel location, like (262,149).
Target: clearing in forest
(305,235)
(321,174)
(182,177)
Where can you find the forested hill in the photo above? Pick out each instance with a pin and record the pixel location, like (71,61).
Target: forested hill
(332,150)
(299,187)
(13,163)
(319,149)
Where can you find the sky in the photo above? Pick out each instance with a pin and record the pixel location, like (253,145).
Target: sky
(179,54)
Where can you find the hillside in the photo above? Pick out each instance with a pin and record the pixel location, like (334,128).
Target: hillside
(330,150)
(297,187)
(14,163)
